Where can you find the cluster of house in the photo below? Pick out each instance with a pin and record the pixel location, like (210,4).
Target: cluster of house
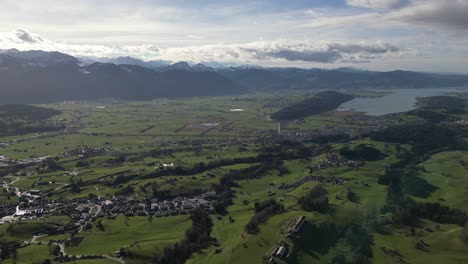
(329,131)
(323,179)
(161,166)
(84,210)
(371,122)
(85,151)
(333,160)
(75,124)
(32,195)
(6,162)
(461,122)
(30,207)
(179,206)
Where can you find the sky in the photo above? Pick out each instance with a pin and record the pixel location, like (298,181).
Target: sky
(420,35)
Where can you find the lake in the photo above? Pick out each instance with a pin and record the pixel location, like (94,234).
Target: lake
(399,100)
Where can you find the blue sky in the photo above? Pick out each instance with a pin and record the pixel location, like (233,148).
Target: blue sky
(423,35)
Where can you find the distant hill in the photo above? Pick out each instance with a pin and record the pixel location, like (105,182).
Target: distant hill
(261,79)
(319,103)
(448,104)
(36,58)
(257,78)
(134,61)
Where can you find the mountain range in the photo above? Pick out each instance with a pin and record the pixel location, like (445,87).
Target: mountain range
(42,77)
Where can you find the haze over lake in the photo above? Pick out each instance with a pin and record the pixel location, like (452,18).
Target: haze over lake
(399,100)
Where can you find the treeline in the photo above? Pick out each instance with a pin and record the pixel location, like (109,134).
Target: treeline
(199,167)
(409,214)
(196,238)
(321,102)
(223,188)
(9,250)
(263,210)
(440,213)
(281,150)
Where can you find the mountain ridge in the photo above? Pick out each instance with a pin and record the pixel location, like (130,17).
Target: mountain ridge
(42,77)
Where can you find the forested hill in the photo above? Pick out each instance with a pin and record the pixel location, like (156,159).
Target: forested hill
(319,103)
(18,119)
(26,112)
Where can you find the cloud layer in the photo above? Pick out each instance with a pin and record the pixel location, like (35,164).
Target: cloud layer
(449,14)
(377,4)
(252,52)
(441,15)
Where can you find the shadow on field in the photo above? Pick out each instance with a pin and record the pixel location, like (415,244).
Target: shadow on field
(315,240)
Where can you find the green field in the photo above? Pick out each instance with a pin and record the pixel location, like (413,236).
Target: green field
(141,238)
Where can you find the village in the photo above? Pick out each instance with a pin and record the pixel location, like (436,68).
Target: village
(83,210)
(6,162)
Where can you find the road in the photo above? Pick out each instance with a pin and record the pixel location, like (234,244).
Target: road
(9,185)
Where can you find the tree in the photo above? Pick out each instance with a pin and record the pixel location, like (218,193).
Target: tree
(196,238)
(100,226)
(352,196)
(82,163)
(55,250)
(315,200)
(464,234)
(263,210)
